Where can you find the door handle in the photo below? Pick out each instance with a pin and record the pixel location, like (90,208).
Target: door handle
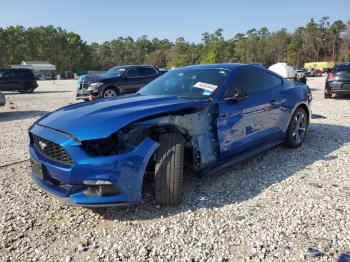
(227,114)
(275,102)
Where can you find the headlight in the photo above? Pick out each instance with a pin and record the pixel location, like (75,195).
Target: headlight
(104,147)
(95,85)
(120,142)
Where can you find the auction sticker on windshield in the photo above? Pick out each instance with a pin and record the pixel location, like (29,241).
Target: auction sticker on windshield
(205,86)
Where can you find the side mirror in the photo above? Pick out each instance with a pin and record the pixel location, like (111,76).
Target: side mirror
(238,95)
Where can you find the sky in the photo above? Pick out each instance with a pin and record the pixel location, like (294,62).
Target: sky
(103,20)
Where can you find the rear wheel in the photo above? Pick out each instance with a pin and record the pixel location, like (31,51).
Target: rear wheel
(169,169)
(110,92)
(297,128)
(27,88)
(327,95)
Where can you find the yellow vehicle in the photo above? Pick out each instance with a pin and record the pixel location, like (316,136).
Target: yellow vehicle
(319,65)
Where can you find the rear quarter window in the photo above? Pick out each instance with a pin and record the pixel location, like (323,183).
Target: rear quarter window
(146,71)
(27,73)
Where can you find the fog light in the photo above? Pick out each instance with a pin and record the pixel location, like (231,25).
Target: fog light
(101,190)
(96,182)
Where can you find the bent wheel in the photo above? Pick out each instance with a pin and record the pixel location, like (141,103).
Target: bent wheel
(169,169)
(297,128)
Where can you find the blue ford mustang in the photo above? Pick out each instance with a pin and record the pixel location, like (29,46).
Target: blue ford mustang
(201,117)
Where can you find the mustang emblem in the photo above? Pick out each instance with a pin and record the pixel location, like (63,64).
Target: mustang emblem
(42,145)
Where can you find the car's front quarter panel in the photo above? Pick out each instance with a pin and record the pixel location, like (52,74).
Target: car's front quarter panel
(197,126)
(125,171)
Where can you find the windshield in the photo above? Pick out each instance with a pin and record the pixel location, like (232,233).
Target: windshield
(114,72)
(186,83)
(342,67)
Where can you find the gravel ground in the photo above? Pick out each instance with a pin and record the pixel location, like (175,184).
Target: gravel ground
(273,207)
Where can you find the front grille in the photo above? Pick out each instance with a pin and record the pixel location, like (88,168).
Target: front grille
(51,150)
(84,85)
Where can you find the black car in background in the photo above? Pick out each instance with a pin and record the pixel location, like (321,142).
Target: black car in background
(118,80)
(21,80)
(338,80)
(2,99)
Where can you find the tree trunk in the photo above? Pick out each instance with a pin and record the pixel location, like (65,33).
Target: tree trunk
(333,48)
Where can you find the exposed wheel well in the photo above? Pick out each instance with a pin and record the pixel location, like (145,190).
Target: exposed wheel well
(153,132)
(169,128)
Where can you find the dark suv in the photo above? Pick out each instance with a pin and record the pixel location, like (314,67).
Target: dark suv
(338,80)
(21,80)
(118,80)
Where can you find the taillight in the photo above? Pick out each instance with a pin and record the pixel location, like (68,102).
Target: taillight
(330,77)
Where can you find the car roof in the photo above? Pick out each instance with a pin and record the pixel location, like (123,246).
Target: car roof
(25,69)
(134,66)
(227,66)
(345,63)
(129,66)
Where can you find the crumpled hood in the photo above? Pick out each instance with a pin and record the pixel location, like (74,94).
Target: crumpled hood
(87,79)
(101,118)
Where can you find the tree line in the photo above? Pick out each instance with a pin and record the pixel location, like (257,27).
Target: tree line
(317,41)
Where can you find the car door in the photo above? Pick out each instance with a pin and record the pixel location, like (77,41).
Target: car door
(8,81)
(137,77)
(2,80)
(131,82)
(254,120)
(147,74)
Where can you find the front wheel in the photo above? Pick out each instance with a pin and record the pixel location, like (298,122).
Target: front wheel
(297,128)
(169,169)
(110,92)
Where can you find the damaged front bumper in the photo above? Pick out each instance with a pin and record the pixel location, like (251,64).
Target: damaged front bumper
(87,94)
(89,180)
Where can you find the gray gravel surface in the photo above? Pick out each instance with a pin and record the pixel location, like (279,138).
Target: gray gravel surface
(272,207)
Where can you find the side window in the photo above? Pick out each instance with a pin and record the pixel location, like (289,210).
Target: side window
(147,71)
(275,81)
(132,72)
(9,74)
(251,81)
(27,73)
(240,81)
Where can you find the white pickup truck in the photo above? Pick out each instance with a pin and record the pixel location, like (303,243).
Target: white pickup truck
(288,72)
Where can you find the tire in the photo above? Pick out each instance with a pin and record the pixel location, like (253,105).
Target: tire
(327,95)
(297,128)
(169,169)
(110,92)
(27,88)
